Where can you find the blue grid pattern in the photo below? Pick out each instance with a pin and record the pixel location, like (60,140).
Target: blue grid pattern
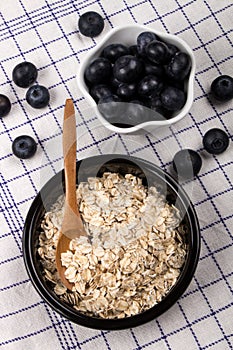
(45,32)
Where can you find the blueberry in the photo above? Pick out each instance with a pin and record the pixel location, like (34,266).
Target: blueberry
(126,91)
(222,88)
(113,51)
(98,71)
(179,66)
(157,106)
(90,24)
(100,90)
(172,50)
(187,163)
(149,85)
(24,74)
(133,50)
(24,147)
(37,96)
(153,69)
(215,141)
(179,84)
(5,105)
(157,52)
(143,40)
(128,69)
(172,98)
(114,83)
(109,107)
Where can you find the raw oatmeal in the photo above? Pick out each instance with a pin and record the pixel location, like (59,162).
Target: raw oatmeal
(132,256)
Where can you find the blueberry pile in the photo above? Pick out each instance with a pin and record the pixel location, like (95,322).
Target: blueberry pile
(151,73)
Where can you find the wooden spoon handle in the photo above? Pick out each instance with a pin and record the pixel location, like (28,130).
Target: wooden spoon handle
(69,153)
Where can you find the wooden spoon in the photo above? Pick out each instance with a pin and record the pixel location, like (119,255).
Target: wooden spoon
(72,225)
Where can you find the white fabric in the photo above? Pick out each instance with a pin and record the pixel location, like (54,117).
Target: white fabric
(45,33)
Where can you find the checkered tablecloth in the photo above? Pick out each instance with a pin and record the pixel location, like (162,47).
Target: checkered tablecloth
(45,33)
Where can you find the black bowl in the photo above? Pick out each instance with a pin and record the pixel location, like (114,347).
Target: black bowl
(95,166)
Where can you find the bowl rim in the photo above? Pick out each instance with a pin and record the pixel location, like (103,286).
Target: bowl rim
(166,36)
(112,324)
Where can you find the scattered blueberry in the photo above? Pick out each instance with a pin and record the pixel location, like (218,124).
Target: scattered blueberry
(91,24)
(187,163)
(100,90)
(149,85)
(38,96)
(99,71)
(179,66)
(172,98)
(157,52)
(5,105)
(126,91)
(24,147)
(128,69)
(215,141)
(143,40)
(24,74)
(222,88)
(113,51)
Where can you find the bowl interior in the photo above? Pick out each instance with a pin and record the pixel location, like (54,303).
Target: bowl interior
(93,166)
(128,36)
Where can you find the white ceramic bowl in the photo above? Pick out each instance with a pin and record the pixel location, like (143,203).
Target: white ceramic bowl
(127,35)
